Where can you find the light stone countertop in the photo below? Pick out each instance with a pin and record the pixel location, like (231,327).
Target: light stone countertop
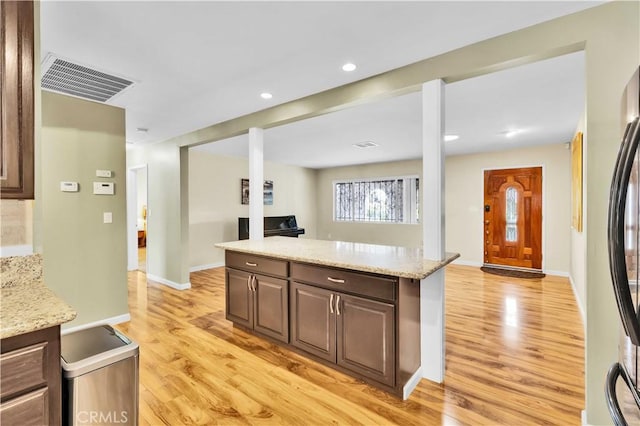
(402,262)
(26,304)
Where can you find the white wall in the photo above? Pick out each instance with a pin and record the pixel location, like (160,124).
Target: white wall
(214,201)
(141,193)
(464,200)
(167,201)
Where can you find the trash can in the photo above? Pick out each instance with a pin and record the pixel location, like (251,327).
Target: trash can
(100,377)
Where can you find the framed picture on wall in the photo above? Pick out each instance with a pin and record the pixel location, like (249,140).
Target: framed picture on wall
(267,192)
(576,182)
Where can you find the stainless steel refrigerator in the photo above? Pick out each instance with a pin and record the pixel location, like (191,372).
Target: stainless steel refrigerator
(622,388)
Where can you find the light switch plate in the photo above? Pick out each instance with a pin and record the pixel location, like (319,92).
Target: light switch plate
(107,217)
(69,186)
(103,188)
(103,173)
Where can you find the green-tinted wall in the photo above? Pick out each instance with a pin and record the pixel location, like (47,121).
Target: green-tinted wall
(85,260)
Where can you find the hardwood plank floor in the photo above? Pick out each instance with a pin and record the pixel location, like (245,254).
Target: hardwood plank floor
(514,354)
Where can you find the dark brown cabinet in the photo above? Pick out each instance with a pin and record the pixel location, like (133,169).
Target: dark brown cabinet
(17,99)
(366,337)
(363,324)
(30,383)
(256,301)
(354,332)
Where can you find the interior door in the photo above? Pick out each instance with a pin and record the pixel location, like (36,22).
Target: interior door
(513,217)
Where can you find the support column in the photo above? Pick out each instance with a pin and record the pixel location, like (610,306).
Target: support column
(256,182)
(432,287)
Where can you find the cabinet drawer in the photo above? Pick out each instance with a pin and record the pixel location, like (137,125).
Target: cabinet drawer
(25,410)
(23,369)
(258,264)
(345,281)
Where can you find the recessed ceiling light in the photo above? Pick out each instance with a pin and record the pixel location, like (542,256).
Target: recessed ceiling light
(365,144)
(142,130)
(266,95)
(512,133)
(449,138)
(348,67)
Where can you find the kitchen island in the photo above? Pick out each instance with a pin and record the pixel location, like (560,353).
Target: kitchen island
(352,306)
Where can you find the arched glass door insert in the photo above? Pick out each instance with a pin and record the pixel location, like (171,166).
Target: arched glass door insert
(511,232)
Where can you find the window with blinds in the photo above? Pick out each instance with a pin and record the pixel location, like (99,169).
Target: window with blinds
(387,200)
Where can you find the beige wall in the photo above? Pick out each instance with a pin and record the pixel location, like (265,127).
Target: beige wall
(374,233)
(214,201)
(84,259)
(464,186)
(463,203)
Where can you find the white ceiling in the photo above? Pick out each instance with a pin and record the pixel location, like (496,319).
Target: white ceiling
(543,100)
(199,63)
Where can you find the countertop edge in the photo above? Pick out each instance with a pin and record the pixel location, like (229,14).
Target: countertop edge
(44,311)
(437,264)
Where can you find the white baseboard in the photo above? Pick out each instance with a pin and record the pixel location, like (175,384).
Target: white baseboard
(412,383)
(168,283)
(579,303)
(110,321)
(207,266)
(557,273)
(23,250)
(466,263)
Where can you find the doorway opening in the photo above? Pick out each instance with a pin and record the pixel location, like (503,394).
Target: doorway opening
(137,215)
(513,218)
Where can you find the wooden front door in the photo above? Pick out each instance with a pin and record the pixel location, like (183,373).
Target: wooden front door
(513,217)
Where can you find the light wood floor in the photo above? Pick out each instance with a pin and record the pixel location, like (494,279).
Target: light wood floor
(514,354)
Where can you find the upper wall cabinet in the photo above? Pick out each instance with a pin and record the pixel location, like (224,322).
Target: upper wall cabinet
(16,96)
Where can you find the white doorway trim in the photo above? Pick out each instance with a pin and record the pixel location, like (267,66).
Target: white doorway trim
(132,226)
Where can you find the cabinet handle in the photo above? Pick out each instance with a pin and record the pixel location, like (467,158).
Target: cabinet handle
(249,282)
(250,264)
(338,305)
(253,283)
(336,280)
(331,303)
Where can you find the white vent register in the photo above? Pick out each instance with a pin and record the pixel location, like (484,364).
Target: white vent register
(64,76)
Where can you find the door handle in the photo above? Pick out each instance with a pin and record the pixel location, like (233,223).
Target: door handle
(331,303)
(338,305)
(336,280)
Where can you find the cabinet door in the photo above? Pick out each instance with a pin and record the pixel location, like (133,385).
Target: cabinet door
(366,337)
(239,297)
(271,312)
(313,325)
(16,98)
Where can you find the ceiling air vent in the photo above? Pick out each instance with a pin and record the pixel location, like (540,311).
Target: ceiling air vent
(64,76)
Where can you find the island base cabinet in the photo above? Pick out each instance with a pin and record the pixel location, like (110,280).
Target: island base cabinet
(352,332)
(313,323)
(258,302)
(239,297)
(366,337)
